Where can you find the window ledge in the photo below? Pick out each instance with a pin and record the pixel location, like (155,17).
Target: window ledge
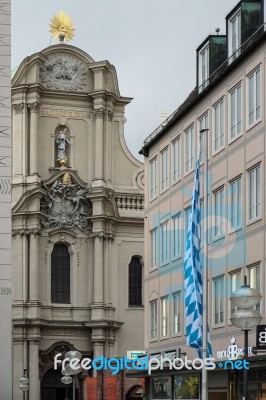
(164,338)
(164,190)
(177,181)
(153,269)
(249,127)
(233,230)
(141,308)
(153,199)
(176,335)
(188,173)
(215,152)
(252,221)
(154,340)
(239,135)
(218,326)
(177,258)
(165,264)
(216,238)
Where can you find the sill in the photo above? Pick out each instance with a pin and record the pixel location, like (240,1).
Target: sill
(233,230)
(216,238)
(164,190)
(176,335)
(177,181)
(188,173)
(135,308)
(60,305)
(154,198)
(176,258)
(249,127)
(230,141)
(154,340)
(165,264)
(254,220)
(215,152)
(153,269)
(217,326)
(164,338)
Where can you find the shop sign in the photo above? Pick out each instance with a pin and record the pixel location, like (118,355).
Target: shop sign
(261,337)
(233,351)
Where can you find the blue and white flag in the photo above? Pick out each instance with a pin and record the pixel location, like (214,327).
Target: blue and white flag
(193,274)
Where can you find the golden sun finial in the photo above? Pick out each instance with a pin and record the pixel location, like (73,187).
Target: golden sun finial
(62,27)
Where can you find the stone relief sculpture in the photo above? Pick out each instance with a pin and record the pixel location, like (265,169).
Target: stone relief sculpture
(64,72)
(61,142)
(65,205)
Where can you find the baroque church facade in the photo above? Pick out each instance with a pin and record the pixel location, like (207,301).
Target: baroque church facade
(77,223)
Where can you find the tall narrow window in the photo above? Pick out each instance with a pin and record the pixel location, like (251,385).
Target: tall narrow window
(235,204)
(204,67)
(154,320)
(186,222)
(153,178)
(176,235)
(202,223)
(135,282)
(203,124)
(235,283)
(189,153)
(176,160)
(218,284)
(60,274)
(234,35)
(254,97)
(164,169)
(177,314)
(153,249)
(254,279)
(236,112)
(164,243)
(254,193)
(164,316)
(219,126)
(219,213)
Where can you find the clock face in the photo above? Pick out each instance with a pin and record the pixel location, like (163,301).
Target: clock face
(64,72)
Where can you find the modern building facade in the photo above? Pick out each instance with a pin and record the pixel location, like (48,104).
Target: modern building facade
(5,201)
(77,224)
(229,101)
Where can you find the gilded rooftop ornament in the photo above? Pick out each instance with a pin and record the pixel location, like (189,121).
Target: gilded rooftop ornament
(62,27)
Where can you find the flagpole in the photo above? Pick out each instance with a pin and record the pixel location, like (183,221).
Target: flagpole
(204,378)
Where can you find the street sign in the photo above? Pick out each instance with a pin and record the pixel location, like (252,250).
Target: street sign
(261,337)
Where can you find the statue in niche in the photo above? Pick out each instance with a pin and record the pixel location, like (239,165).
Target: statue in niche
(61,142)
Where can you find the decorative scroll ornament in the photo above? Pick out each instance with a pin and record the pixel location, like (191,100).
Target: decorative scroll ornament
(64,72)
(65,205)
(62,26)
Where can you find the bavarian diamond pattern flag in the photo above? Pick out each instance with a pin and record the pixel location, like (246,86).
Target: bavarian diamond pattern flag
(193,274)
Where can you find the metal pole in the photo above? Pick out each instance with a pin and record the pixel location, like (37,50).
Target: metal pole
(74,388)
(204,376)
(245,371)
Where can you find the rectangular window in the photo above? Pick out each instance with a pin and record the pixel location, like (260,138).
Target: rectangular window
(153,249)
(187,215)
(176,311)
(176,235)
(235,283)
(203,124)
(218,284)
(218,126)
(176,160)
(236,112)
(219,213)
(254,193)
(164,242)
(164,316)
(254,279)
(235,204)
(204,67)
(189,153)
(154,320)
(153,178)
(234,35)
(254,97)
(164,169)
(202,238)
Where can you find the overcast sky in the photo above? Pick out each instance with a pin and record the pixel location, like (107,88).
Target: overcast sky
(151,43)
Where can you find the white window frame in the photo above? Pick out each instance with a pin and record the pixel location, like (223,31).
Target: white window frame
(189,149)
(221,309)
(256,93)
(186,221)
(218,126)
(164,242)
(164,169)
(165,317)
(176,159)
(203,72)
(235,19)
(154,249)
(219,213)
(153,178)
(177,313)
(232,287)
(235,212)
(203,123)
(257,268)
(235,115)
(177,236)
(202,222)
(154,320)
(254,194)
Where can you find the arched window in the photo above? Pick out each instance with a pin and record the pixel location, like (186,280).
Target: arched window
(60,274)
(135,282)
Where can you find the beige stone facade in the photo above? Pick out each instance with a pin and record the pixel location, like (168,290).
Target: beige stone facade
(91,204)
(236,207)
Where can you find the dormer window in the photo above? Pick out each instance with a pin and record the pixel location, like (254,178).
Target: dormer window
(204,67)
(234,36)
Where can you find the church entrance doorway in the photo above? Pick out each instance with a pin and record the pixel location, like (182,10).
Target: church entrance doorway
(53,389)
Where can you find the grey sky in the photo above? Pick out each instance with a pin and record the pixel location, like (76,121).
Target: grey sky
(151,43)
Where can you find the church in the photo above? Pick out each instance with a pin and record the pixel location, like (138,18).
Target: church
(77,225)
